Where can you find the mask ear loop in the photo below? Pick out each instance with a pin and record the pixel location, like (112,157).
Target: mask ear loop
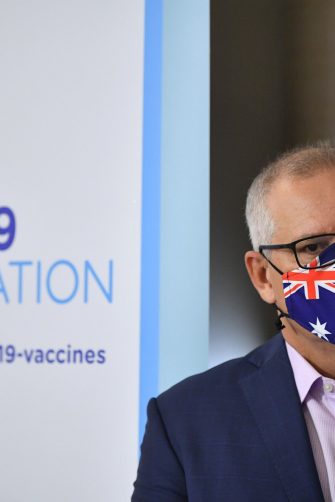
(278,323)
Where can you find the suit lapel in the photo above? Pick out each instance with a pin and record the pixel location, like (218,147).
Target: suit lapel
(273,400)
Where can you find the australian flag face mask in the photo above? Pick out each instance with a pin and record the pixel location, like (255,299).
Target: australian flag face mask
(310,295)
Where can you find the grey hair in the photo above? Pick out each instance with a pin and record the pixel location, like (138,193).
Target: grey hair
(302,162)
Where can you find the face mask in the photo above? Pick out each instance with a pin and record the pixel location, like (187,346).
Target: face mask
(310,296)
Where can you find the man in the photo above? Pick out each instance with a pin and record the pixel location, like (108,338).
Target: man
(262,427)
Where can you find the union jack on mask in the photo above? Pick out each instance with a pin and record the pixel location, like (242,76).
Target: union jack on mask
(310,296)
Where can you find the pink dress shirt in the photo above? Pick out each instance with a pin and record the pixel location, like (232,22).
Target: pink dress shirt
(317,396)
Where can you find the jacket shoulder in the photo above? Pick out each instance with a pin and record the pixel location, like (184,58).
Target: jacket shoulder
(221,380)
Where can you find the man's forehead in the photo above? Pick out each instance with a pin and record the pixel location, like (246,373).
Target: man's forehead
(301,207)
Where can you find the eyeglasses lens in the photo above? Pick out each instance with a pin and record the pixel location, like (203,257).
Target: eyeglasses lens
(308,249)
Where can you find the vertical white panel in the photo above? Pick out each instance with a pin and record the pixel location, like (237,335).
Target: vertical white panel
(70,156)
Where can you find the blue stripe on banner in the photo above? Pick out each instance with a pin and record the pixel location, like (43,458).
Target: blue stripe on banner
(150,265)
(184,278)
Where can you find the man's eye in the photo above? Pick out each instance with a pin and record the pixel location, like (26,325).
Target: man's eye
(312,247)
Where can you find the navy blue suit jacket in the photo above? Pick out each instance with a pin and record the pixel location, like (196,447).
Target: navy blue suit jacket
(234,433)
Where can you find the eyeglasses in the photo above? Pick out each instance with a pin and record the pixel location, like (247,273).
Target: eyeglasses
(304,250)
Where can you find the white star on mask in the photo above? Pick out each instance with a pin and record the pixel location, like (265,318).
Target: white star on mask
(320,329)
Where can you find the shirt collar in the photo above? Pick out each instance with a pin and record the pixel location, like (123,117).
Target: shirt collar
(304,373)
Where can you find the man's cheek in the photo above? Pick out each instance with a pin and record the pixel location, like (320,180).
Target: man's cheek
(279,292)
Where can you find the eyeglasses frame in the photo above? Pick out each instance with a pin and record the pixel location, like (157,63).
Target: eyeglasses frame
(291,245)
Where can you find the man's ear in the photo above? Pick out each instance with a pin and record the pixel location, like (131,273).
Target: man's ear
(257,268)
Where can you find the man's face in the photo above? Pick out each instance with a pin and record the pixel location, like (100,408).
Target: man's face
(299,208)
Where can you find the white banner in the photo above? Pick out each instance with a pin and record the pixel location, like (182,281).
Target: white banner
(70,199)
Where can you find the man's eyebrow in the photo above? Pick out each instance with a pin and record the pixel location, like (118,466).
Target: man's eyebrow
(314,234)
